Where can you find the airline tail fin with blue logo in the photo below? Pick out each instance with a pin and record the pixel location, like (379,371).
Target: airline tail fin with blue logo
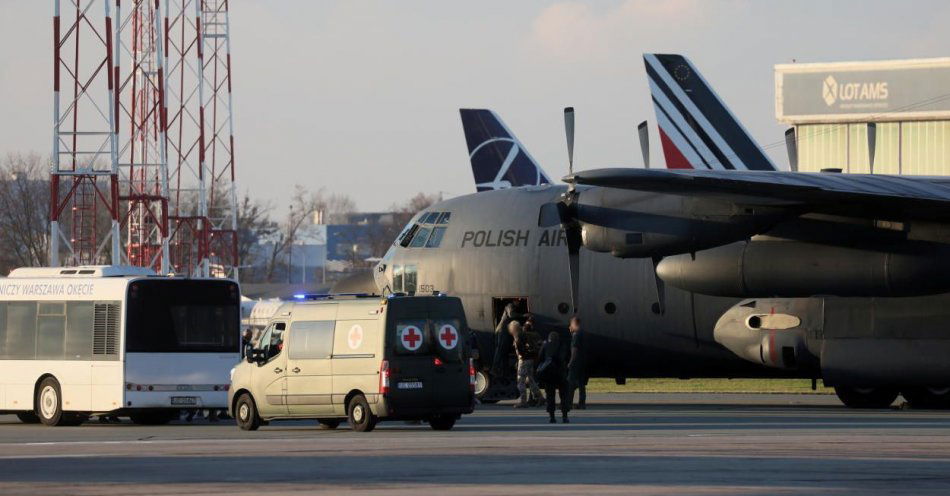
(499,160)
(697,130)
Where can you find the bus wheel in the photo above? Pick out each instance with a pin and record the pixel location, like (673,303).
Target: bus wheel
(158,417)
(869,397)
(360,416)
(49,403)
(245,412)
(329,423)
(442,423)
(928,397)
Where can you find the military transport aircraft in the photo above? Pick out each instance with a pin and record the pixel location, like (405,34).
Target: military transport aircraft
(669,253)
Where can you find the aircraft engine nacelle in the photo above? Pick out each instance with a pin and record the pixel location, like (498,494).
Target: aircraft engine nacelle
(774,336)
(894,342)
(635,226)
(762,268)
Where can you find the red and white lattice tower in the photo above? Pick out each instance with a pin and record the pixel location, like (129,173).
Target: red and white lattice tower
(138,69)
(200,138)
(218,137)
(143,149)
(84,206)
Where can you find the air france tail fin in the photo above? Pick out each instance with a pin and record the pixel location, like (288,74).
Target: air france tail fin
(498,159)
(697,130)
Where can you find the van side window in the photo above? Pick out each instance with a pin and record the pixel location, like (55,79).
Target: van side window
(311,339)
(272,341)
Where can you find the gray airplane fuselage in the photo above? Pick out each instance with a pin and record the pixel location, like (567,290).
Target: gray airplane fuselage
(494,248)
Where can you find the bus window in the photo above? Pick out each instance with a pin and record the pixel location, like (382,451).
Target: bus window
(51,331)
(183,316)
(21,330)
(79,330)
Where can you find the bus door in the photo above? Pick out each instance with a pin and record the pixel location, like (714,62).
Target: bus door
(270,376)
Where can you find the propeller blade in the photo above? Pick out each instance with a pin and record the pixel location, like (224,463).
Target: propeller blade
(872,138)
(659,307)
(792,146)
(566,210)
(644,133)
(569,131)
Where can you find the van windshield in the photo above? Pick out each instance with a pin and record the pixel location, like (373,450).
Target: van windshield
(183,316)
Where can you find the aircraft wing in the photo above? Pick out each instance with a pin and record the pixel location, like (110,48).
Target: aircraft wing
(864,195)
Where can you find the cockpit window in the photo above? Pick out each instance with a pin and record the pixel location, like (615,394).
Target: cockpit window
(444,218)
(435,239)
(407,236)
(419,239)
(430,218)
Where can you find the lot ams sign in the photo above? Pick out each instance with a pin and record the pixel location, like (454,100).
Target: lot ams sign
(862,91)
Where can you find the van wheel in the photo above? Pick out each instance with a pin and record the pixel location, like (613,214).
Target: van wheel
(329,423)
(245,412)
(870,397)
(361,418)
(160,417)
(28,418)
(442,423)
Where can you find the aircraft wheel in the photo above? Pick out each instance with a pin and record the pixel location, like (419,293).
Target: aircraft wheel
(360,416)
(866,397)
(245,412)
(482,384)
(937,398)
(28,418)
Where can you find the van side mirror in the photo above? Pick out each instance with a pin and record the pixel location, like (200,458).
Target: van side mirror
(256,356)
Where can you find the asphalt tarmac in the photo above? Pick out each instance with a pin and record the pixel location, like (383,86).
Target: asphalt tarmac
(622,444)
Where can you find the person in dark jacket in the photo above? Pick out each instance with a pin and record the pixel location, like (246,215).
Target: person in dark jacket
(552,373)
(577,366)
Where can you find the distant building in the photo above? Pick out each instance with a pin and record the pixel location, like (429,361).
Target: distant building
(831,104)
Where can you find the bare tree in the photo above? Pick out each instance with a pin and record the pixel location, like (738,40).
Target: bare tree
(302,207)
(380,237)
(24,211)
(253,225)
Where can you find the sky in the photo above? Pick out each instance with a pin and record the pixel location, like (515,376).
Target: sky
(361,97)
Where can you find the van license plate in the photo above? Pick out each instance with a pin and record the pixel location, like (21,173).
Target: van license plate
(409,385)
(184,400)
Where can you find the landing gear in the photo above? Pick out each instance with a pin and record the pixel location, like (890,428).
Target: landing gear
(937,398)
(866,397)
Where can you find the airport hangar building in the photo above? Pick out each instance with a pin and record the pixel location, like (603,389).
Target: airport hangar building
(830,105)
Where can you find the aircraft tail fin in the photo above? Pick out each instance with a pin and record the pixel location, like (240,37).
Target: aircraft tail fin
(697,130)
(499,160)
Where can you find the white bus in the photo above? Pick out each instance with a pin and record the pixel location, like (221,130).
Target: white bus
(114,340)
